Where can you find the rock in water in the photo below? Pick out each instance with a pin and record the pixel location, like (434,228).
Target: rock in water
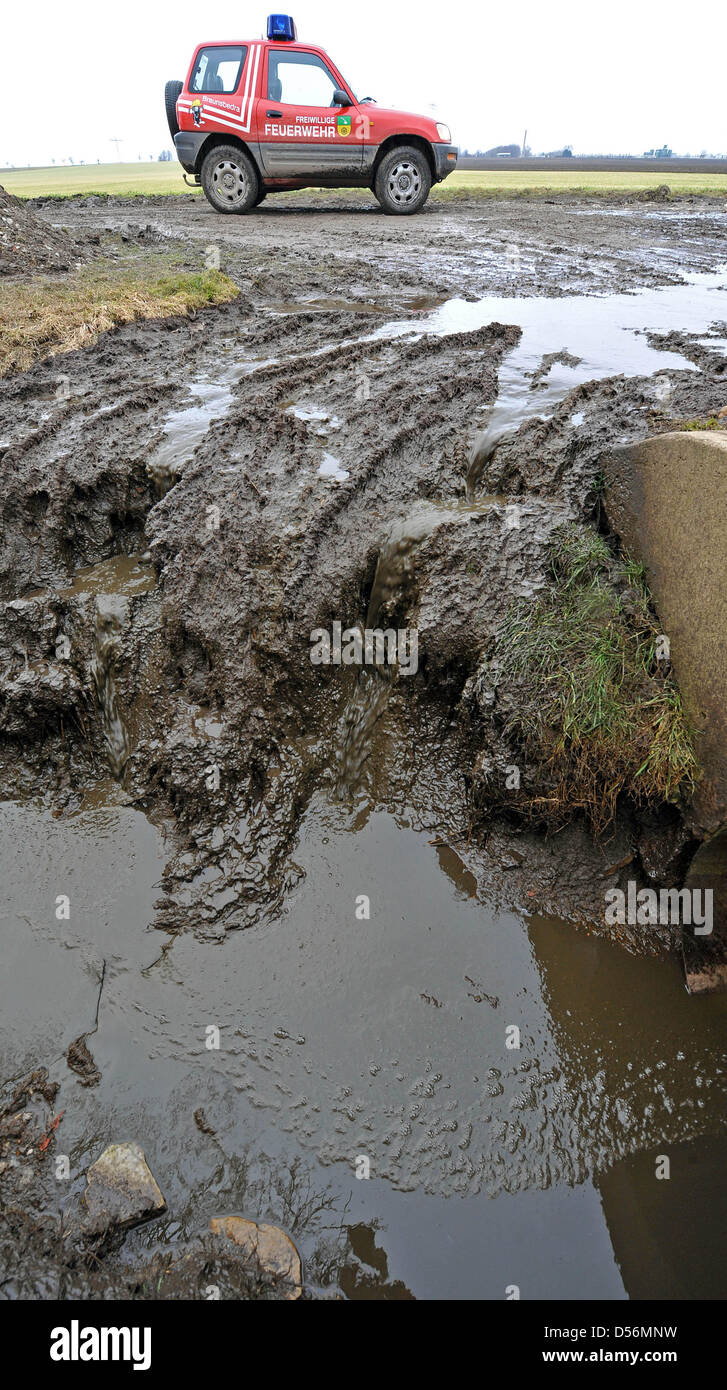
(273,1249)
(121,1191)
(81,1061)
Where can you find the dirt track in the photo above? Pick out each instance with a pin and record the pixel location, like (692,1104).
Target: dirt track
(341,246)
(241,412)
(183,504)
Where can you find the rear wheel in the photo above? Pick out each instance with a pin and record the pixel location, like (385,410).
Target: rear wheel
(229,179)
(403,180)
(171,92)
(262,194)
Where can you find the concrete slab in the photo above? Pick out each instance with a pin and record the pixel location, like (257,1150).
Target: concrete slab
(705,957)
(667,499)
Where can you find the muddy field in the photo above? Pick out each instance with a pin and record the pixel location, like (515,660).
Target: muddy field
(183,506)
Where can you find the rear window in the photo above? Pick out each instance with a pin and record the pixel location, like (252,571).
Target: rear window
(217,69)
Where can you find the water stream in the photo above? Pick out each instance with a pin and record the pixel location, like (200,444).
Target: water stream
(111,613)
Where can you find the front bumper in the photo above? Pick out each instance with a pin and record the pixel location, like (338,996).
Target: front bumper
(445,160)
(188,144)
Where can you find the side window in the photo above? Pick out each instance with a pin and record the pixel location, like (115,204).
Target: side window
(217,69)
(299,79)
(197,83)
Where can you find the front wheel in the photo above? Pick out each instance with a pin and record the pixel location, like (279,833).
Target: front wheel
(403,181)
(229,179)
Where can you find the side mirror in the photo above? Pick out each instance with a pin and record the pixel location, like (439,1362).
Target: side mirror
(340,98)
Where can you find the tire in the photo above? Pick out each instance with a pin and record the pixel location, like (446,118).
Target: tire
(229,179)
(262,194)
(171,92)
(403,180)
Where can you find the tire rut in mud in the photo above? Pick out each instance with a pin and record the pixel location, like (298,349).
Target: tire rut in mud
(223,640)
(229,728)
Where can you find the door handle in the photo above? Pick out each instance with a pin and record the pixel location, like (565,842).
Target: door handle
(273,113)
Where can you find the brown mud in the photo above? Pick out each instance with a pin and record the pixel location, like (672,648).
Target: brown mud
(182,506)
(27,243)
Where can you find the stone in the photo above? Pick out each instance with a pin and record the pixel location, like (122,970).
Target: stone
(121,1190)
(273,1249)
(666,497)
(80,1060)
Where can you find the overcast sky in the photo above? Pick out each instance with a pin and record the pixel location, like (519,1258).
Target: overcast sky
(616,77)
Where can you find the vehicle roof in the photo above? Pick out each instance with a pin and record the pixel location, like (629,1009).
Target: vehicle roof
(230,43)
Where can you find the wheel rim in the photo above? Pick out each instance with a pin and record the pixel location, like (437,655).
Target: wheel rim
(230,182)
(405,182)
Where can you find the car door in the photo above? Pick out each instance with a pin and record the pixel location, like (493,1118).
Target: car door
(221,88)
(302,134)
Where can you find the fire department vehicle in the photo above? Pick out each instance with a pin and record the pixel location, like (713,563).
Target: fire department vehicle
(262,116)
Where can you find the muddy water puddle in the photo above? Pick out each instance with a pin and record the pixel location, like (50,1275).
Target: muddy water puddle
(331,467)
(319,419)
(122,575)
(568,341)
(371,1018)
(565,342)
(661,215)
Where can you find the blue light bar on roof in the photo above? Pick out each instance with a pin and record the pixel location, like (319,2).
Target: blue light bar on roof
(282,26)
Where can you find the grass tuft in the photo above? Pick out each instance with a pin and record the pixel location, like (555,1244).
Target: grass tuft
(48,315)
(710,424)
(594,706)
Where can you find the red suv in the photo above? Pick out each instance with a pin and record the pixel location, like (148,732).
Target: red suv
(257,117)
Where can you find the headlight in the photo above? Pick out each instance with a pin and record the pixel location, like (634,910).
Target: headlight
(444,133)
